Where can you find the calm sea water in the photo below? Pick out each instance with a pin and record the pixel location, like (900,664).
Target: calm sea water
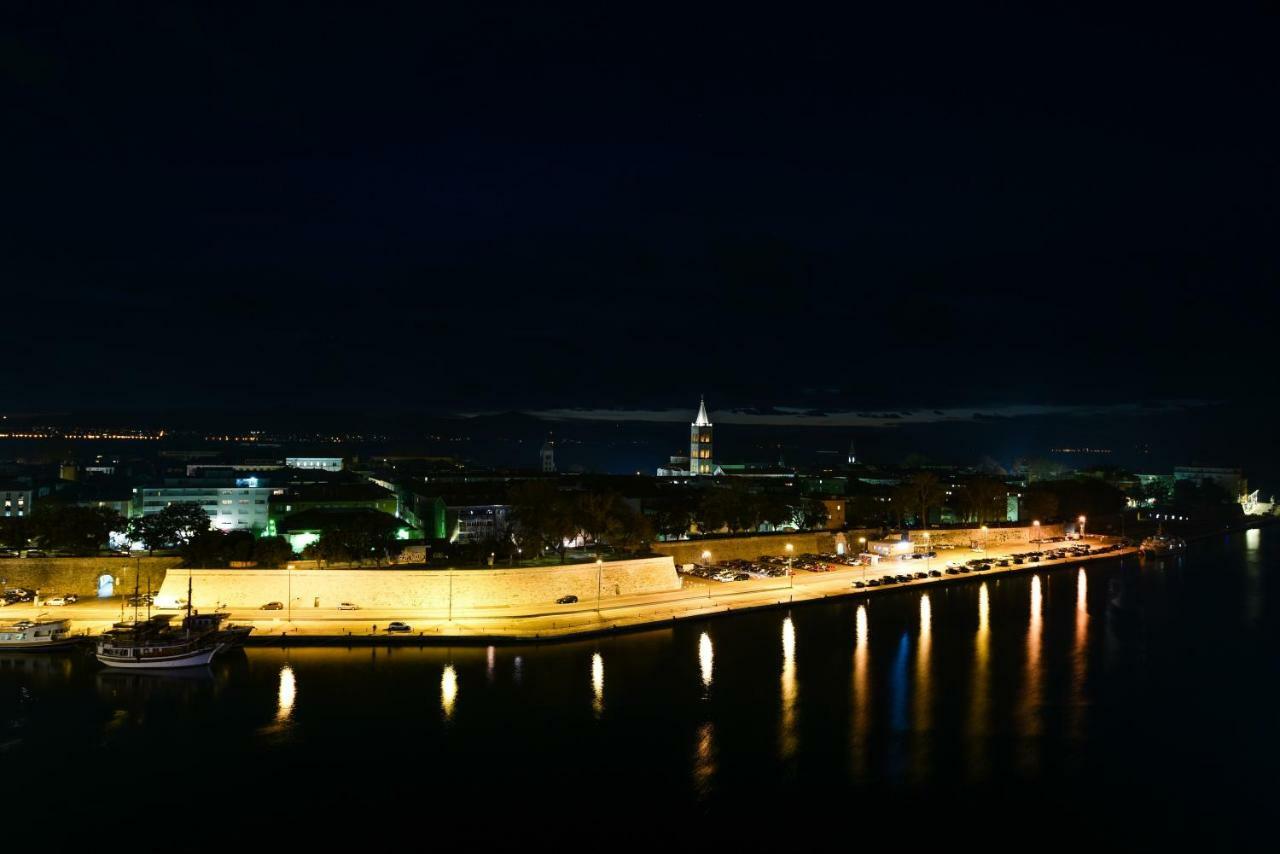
(1122,699)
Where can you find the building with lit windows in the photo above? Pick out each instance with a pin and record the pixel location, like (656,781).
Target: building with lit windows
(230,508)
(15,501)
(478,523)
(325,463)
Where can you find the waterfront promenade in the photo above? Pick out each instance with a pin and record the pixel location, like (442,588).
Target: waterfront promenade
(696,599)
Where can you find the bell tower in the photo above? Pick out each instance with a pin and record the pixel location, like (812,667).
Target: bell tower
(701,460)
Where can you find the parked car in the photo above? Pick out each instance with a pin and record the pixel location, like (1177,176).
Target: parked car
(56,601)
(347,606)
(10,553)
(933,573)
(859,584)
(742,576)
(273,606)
(397,626)
(567,600)
(36,553)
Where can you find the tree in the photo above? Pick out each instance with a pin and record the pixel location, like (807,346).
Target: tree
(903,499)
(595,511)
(82,530)
(175,525)
(673,514)
(272,552)
(978,498)
(545,516)
(811,514)
(15,532)
(183,520)
(629,530)
(924,492)
(1041,502)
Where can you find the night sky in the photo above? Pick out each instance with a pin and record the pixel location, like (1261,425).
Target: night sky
(490,207)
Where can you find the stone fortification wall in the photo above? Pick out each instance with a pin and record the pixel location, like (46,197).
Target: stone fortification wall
(994,537)
(55,576)
(419,588)
(747,548)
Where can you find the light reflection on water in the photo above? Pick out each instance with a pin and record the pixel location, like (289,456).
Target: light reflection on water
(706,660)
(448,690)
(980,696)
(923,701)
(861,691)
(285,694)
(1080,654)
(597,684)
(787,739)
(1029,717)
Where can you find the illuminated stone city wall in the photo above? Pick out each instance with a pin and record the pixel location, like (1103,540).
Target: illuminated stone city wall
(413,589)
(54,576)
(825,542)
(994,537)
(748,548)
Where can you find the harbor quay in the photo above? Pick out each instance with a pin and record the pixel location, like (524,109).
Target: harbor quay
(427,619)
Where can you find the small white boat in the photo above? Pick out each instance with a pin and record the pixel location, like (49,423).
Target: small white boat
(28,636)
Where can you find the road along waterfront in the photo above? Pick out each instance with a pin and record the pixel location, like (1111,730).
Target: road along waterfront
(697,599)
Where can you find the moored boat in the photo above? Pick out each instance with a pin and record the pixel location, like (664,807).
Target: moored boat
(37,635)
(155,644)
(1162,544)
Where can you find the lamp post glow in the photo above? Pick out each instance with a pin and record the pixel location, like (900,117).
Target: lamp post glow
(1036,525)
(1082,520)
(984,538)
(599,583)
(790,572)
(928,554)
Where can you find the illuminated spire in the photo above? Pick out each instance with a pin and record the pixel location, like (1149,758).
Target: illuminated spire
(702,420)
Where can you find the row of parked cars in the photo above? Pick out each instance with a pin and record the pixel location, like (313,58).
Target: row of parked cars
(901,578)
(19,595)
(769,566)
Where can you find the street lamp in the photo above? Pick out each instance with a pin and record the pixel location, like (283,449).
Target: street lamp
(599,584)
(790,572)
(706,558)
(1081,520)
(928,554)
(984,538)
(289,575)
(1036,525)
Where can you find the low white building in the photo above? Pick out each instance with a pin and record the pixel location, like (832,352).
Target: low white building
(322,463)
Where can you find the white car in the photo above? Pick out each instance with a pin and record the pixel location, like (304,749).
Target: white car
(56,601)
(347,606)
